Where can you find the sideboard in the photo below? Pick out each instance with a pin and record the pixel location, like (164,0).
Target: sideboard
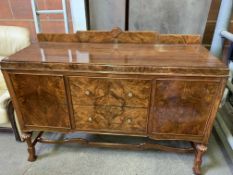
(139,84)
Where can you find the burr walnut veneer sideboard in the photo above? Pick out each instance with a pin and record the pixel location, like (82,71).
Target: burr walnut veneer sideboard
(139,84)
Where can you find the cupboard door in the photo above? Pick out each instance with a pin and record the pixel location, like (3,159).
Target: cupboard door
(41,100)
(182,107)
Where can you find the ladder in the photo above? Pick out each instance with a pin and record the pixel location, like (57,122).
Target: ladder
(37,12)
(220,34)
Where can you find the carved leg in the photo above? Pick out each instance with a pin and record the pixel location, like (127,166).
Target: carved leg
(31,147)
(199,151)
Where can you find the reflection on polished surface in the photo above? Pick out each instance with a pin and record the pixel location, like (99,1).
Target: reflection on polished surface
(82,57)
(118,54)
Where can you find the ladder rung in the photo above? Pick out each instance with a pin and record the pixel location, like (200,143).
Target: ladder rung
(230,86)
(36,15)
(39,12)
(227,35)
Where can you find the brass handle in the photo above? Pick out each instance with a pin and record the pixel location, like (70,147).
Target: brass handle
(87,92)
(130,94)
(129,120)
(90,119)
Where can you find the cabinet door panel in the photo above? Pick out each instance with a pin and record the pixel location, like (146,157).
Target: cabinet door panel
(182,106)
(41,99)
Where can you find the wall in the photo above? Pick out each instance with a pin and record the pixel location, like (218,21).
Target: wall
(19,13)
(169,16)
(107,14)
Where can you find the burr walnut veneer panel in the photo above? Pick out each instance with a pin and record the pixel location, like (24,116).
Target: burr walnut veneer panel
(42,100)
(111,119)
(110,104)
(110,91)
(183,106)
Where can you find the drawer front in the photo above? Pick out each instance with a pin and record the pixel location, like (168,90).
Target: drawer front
(112,92)
(182,106)
(111,118)
(41,100)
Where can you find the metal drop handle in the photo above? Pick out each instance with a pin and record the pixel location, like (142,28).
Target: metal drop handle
(90,119)
(87,92)
(130,94)
(129,120)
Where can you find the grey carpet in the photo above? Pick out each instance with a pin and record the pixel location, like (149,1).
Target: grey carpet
(73,159)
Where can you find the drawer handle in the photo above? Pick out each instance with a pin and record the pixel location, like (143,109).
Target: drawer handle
(87,92)
(130,94)
(129,120)
(90,119)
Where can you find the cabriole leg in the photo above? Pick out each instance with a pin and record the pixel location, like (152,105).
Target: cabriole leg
(31,147)
(200,149)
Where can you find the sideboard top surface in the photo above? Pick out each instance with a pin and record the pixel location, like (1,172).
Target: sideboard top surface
(162,56)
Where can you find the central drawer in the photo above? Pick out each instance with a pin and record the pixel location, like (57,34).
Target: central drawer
(110,104)
(109,118)
(86,91)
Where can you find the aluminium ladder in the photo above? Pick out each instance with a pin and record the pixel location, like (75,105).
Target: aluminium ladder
(220,34)
(36,15)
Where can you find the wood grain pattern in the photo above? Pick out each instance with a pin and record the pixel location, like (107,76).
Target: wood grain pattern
(179,39)
(187,60)
(133,71)
(110,118)
(139,146)
(105,91)
(183,106)
(216,103)
(114,36)
(119,36)
(39,98)
(31,148)
(126,37)
(200,149)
